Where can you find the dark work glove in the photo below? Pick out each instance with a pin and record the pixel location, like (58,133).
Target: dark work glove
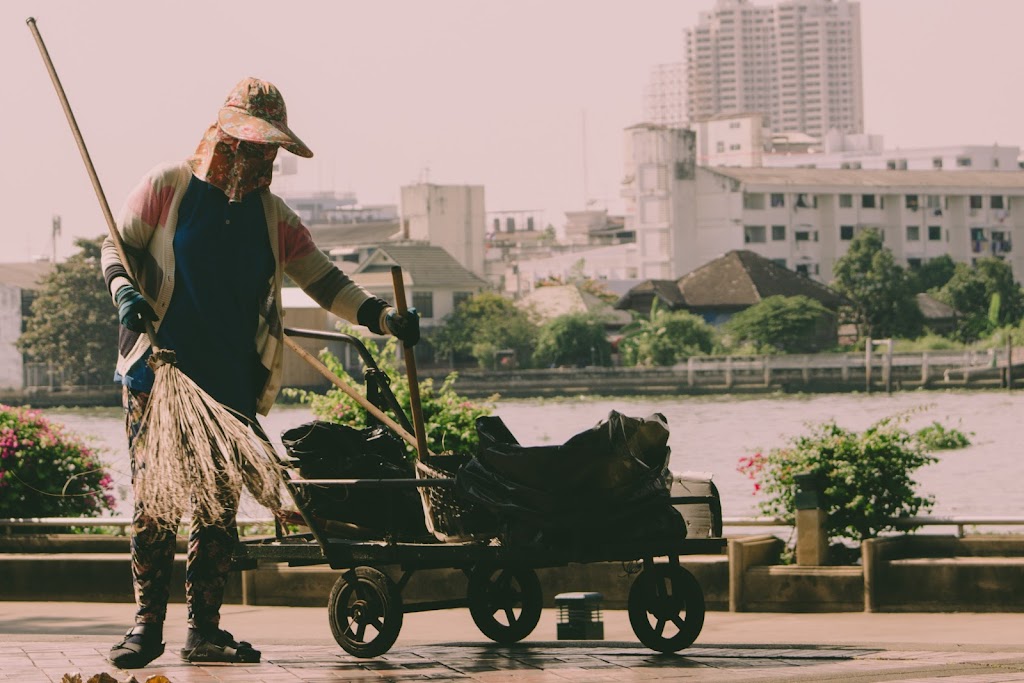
(404,326)
(132,310)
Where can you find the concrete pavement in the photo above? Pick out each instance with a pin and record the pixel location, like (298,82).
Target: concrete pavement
(43,641)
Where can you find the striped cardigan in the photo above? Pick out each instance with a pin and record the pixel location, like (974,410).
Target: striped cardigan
(147,224)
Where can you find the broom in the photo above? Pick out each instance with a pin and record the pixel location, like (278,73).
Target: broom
(189,448)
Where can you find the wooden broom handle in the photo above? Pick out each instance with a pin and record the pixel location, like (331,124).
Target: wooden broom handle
(410,368)
(104,205)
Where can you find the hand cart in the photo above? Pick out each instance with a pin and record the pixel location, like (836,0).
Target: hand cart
(504,596)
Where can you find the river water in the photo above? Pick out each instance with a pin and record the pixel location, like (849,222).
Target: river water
(709,434)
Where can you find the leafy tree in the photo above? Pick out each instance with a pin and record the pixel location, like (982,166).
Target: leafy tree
(986,297)
(932,274)
(665,338)
(576,339)
(484,324)
(789,324)
(879,288)
(73,325)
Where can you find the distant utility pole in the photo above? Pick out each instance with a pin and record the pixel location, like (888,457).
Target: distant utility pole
(54,233)
(586,188)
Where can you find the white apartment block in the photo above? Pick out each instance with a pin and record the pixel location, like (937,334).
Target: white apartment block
(798,63)
(448,216)
(805,218)
(730,140)
(665,95)
(949,158)
(658,192)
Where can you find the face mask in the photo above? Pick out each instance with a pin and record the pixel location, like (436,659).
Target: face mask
(234,166)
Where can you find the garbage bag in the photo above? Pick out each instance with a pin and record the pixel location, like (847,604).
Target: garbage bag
(327,450)
(614,475)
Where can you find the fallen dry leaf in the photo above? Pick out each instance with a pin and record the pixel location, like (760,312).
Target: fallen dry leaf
(71,678)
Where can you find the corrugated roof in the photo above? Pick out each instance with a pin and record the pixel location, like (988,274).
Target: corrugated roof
(933,309)
(332,235)
(986,182)
(423,265)
(24,275)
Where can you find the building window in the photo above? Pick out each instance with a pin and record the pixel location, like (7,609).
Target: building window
(778,199)
(753,200)
(424,303)
(913,233)
(720,146)
(996,201)
(914,263)
(975,201)
(753,234)
(510,224)
(778,233)
(977,234)
(846,201)
(805,235)
(846,232)
(867,201)
(807,201)
(459,297)
(779,262)
(936,162)
(911,202)
(497,225)
(934,233)
(963,162)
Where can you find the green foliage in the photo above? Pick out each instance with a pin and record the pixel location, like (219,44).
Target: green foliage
(45,472)
(864,479)
(787,324)
(482,325)
(449,419)
(938,437)
(576,339)
(932,274)
(665,338)
(879,288)
(73,325)
(985,295)
(927,342)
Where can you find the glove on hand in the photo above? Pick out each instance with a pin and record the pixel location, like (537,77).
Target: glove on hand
(132,309)
(404,326)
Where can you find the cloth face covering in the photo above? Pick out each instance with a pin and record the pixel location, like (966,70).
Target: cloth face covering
(234,166)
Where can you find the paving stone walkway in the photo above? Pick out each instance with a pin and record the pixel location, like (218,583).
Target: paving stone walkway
(51,660)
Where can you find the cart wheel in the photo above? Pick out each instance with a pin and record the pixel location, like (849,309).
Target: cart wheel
(670,596)
(505,603)
(365,610)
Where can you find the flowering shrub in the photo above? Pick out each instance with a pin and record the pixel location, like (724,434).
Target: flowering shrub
(45,472)
(938,437)
(865,479)
(449,419)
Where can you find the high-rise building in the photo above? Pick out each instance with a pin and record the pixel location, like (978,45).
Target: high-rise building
(797,63)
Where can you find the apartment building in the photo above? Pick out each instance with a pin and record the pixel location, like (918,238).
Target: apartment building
(798,63)
(805,218)
(665,95)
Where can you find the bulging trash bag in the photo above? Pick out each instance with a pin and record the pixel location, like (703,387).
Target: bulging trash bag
(326,450)
(612,476)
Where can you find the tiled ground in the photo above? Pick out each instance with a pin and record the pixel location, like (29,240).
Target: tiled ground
(41,661)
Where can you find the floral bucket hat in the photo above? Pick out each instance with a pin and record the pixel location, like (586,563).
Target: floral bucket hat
(255,112)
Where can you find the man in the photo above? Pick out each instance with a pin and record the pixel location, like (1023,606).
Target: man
(209,245)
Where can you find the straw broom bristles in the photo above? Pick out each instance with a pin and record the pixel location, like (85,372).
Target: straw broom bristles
(191,451)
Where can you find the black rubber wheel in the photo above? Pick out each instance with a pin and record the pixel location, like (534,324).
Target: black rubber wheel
(365,610)
(666,607)
(505,603)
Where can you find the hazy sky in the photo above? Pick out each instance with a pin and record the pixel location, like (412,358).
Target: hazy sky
(488,92)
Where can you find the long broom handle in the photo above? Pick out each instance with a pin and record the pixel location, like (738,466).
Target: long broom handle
(359,398)
(410,368)
(104,206)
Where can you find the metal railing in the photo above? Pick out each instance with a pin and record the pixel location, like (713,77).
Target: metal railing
(909,522)
(961,523)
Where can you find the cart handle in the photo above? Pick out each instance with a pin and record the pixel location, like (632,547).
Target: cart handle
(376,483)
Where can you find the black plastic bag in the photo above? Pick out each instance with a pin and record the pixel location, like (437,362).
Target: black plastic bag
(326,450)
(608,478)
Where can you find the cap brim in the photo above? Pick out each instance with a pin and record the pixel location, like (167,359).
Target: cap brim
(243,126)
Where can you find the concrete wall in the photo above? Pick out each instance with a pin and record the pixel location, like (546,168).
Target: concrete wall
(11,372)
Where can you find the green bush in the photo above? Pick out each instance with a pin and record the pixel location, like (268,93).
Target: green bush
(864,480)
(574,340)
(45,472)
(449,419)
(665,338)
(938,437)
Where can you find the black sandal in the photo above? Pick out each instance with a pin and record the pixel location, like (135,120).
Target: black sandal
(137,649)
(219,647)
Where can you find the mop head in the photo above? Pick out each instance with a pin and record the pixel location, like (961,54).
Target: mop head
(191,450)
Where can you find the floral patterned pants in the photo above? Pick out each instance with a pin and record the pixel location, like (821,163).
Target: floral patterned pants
(153,545)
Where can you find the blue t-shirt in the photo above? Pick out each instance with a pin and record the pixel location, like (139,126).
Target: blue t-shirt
(223,268)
